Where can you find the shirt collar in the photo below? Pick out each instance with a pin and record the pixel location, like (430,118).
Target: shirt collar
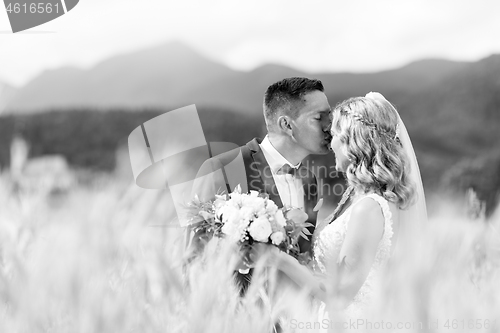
(273,156)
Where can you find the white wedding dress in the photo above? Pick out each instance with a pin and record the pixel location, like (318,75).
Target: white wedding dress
(328,241)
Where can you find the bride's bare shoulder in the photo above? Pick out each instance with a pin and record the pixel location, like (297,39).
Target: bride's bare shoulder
(367,205)
(367,213)
(365,227)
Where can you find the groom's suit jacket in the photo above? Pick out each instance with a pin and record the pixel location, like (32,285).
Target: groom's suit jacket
(246,166)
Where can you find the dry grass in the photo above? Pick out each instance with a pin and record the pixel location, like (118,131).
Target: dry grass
(103,260)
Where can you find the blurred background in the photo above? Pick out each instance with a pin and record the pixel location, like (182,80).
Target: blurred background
(73,89)
(82,248)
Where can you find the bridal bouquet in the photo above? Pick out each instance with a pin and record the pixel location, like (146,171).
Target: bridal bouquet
(246,218)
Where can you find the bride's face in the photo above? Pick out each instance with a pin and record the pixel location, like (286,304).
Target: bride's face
(341,160)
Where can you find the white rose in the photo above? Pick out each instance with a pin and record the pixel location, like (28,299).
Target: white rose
(271,207)
(261,212)
(235,231)
(247,213)
(277,237)
(255,202)
(235,200)
(260,229)
(230,230)
(233,215)
(280,218)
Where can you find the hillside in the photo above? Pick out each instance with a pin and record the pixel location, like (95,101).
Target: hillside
(151,77)
(89,138)
(456,118)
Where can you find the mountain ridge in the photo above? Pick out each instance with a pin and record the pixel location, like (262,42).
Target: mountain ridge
(173,74)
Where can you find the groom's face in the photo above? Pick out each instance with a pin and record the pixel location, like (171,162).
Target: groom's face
(311,128)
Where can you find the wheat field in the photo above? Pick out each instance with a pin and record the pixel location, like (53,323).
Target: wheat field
(108,258)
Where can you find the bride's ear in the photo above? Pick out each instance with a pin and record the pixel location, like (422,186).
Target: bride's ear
(285,125)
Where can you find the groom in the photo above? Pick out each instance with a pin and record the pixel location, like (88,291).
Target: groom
(297,117)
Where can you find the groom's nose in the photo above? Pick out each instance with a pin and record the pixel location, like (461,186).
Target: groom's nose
(327,125)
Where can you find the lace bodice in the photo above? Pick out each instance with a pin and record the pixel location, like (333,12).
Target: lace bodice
(329,239)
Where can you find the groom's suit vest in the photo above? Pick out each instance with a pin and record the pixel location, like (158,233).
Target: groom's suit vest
(246,166)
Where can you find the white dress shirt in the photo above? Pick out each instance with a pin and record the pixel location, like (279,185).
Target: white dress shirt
(289,187)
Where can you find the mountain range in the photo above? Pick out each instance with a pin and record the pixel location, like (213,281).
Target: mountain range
(173,75)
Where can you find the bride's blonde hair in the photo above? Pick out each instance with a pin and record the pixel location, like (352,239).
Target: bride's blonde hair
(368,130)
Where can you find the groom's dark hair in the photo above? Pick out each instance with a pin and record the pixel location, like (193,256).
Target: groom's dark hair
(281,97)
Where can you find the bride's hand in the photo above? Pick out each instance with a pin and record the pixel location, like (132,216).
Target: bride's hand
(266,254)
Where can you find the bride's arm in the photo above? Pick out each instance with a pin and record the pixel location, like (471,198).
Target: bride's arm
(270,256)
(303,276)
(365,230)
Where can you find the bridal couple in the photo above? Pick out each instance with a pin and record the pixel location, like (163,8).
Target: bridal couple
(384,192)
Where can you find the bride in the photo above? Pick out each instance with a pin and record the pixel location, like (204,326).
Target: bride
(384,197)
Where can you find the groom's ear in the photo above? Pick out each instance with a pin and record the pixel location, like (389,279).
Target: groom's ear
(285,124)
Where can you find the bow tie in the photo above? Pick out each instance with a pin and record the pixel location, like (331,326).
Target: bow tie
(300,172)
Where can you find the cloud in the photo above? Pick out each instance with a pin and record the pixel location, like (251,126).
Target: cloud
(314,35)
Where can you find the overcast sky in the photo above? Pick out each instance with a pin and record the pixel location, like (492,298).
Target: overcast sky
(348,35)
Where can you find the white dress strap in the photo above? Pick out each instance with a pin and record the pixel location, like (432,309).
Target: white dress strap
(386,210)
